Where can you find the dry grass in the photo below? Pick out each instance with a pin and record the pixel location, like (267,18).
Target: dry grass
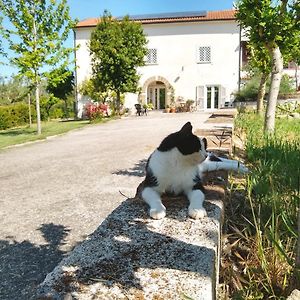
(261,216)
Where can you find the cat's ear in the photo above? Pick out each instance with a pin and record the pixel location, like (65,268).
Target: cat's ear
(204,140)
(187,128)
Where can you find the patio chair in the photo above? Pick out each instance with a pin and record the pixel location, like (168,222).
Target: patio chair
(140,110)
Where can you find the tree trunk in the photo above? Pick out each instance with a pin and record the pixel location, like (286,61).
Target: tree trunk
(296,76)
(38,113)
(66,114)
(118,104)
(36,79)
(261,93)
(277,66)
(29,110)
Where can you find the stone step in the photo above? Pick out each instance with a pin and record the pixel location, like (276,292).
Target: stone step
(131,256)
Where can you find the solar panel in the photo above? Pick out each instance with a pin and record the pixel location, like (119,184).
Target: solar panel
(167,15)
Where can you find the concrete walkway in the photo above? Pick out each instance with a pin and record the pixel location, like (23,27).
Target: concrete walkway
(51,193)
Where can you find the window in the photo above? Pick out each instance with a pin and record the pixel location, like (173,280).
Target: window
(151,56)
(245,53)
(204,55)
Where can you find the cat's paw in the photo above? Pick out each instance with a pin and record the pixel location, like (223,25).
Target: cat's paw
(158,213)
(197,213)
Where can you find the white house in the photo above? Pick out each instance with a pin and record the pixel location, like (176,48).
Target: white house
(191,55)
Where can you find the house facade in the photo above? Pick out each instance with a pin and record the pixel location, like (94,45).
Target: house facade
(191,56)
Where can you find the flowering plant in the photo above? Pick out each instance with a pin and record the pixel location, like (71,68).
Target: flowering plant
(95,111)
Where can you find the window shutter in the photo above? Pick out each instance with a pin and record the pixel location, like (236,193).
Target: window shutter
(200,93)
(223,96)
(204,54)
(151,56)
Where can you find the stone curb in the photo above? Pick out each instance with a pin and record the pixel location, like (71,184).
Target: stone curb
(131,256)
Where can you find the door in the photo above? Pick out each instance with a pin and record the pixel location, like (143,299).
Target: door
(212,97)
(157,96)
(162,98)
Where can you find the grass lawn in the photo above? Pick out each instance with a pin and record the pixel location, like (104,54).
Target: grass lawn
(25,134)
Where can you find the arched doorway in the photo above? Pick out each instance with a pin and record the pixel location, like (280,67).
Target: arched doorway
(156,94)
(157,91)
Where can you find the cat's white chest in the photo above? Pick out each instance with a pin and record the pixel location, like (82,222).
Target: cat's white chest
(172,173)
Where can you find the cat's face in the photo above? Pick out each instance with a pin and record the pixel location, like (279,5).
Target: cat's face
(189,145)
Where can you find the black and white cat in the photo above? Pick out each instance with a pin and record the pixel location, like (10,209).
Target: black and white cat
(176,167)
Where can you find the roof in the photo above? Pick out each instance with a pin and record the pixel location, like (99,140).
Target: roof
(171,18)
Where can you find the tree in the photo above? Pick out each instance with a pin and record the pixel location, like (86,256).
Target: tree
(38,31)
(61,85)
(1,31)
(87,88)
(276,27)
(260,60)
(12,90)
(117,48)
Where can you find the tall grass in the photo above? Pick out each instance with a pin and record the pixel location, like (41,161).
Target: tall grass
(263,227)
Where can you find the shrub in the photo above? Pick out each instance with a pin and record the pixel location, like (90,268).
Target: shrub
(150,106)
(249,90)
(47,103)
(286,85)
(94,111)
(15,115)
(288,108)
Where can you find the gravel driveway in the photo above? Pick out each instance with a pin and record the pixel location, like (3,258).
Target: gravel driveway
(56,192)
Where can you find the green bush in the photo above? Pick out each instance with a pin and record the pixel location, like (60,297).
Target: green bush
(55,108)
(15,115)
(286,85)
(249,91)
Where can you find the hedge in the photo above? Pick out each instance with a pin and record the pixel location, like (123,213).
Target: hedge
(15,115)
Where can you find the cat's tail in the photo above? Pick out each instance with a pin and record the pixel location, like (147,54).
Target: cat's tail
(139,190)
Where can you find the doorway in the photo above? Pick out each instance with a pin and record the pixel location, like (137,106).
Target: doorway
(156,94)
(212,97)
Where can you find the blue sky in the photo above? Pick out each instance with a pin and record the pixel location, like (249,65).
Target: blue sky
(93,8)
(83,9)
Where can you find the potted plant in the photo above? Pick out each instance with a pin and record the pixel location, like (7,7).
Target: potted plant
(167,109)
(172,106)
(189,104)
(150,106)
(172,109)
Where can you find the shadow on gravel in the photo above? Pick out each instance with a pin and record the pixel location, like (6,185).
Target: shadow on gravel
(24,265)
(137,170)
(126,248)
(130,251)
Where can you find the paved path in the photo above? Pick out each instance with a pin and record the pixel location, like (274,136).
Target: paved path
(54,193)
